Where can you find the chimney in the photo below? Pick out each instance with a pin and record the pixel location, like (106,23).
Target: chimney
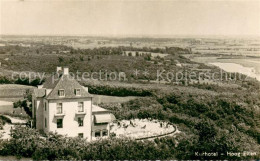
(39,86)
(58,69)
(66,71)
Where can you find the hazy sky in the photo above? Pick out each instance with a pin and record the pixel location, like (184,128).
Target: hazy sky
(129,17)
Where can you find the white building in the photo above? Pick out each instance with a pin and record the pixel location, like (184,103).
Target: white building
(62,105)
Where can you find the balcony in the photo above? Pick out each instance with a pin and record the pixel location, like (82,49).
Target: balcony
(60,114)
(80,113)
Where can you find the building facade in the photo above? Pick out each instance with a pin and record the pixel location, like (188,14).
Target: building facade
(63,106)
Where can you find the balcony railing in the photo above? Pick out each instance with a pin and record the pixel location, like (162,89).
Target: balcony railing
(80,112)
(60,114)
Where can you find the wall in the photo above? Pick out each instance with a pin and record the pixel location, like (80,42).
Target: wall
(39,112)
(46,115)
(70,118)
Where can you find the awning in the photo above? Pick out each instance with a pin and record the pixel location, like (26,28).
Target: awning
(113,118)
(104,118)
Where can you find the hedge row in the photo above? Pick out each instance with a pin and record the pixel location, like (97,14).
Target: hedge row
(25,81)
(118,91)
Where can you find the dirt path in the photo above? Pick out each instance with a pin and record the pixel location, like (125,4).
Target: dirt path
(16,120)
(5,132)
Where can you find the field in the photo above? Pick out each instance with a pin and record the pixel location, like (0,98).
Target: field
(6,107)
(10,93)
(13,90)
(14,158)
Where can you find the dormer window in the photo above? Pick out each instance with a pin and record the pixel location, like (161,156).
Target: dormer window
(77,92)
(61,92)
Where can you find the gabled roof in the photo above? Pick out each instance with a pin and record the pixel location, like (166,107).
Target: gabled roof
(67,83)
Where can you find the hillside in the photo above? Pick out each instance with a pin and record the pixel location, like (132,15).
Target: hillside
(212,115)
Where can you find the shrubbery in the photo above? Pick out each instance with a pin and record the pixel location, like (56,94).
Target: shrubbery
(26,142)
(193,115)
(26,81)
(213,119)
(4,80)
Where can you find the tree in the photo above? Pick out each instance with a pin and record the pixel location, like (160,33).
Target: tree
(25,103)
(206,130)
(61,59)
(81,58)
(18,104)
(148,58)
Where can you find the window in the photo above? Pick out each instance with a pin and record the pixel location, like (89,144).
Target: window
(80,121)
(80,107)
(77,92)
(80,135)
(61,92)
(59,108)
(100,124)
(97,134)
(104,133)
(59,123)
(45,122)
(45,106)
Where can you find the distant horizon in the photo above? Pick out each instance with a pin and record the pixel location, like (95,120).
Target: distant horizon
(128,18)
(133,36)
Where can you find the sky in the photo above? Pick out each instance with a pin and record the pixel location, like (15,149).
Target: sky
(130,17)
